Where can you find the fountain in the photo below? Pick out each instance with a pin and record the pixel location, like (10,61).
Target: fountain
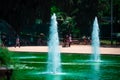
(54,65)
(32,65)
(95,41)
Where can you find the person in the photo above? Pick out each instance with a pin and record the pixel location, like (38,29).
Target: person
(70,40)
(17,42)
(31,40)
(67,40)
(41,39)
(85,40)
(3,39)
(89,40)
(0,40)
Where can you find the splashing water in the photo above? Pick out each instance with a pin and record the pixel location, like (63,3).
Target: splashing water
(95,41)
(54,65)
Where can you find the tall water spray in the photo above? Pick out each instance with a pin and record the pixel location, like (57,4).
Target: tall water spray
(95,41)
(54,62)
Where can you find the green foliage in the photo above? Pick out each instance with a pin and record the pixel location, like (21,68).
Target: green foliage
(54,9)
(66,23)
(103,8)
(69,26)
(6,56)
(7,60)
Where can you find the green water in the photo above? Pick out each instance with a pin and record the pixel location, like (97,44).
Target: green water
(32,66)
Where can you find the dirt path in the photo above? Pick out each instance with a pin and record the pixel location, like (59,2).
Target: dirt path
(73,49)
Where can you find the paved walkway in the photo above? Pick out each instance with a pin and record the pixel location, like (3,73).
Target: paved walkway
(73,49)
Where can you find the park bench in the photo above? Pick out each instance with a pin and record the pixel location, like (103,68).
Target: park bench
(5,73)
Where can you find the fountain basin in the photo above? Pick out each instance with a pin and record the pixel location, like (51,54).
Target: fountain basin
(74,67)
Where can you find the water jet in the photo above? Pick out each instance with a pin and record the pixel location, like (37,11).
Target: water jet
(95,41)
(54,61)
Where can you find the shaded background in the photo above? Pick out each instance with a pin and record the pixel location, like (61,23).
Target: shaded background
(33,16)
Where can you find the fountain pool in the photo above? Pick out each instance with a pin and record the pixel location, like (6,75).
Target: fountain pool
(74,67)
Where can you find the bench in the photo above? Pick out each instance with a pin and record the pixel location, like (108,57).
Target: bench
(5,73)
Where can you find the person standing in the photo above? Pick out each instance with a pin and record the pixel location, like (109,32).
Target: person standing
(85,40)
(65,40)
(3,39)
(70,40)
(17,42)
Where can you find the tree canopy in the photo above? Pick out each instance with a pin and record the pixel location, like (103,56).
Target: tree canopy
(77,15)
